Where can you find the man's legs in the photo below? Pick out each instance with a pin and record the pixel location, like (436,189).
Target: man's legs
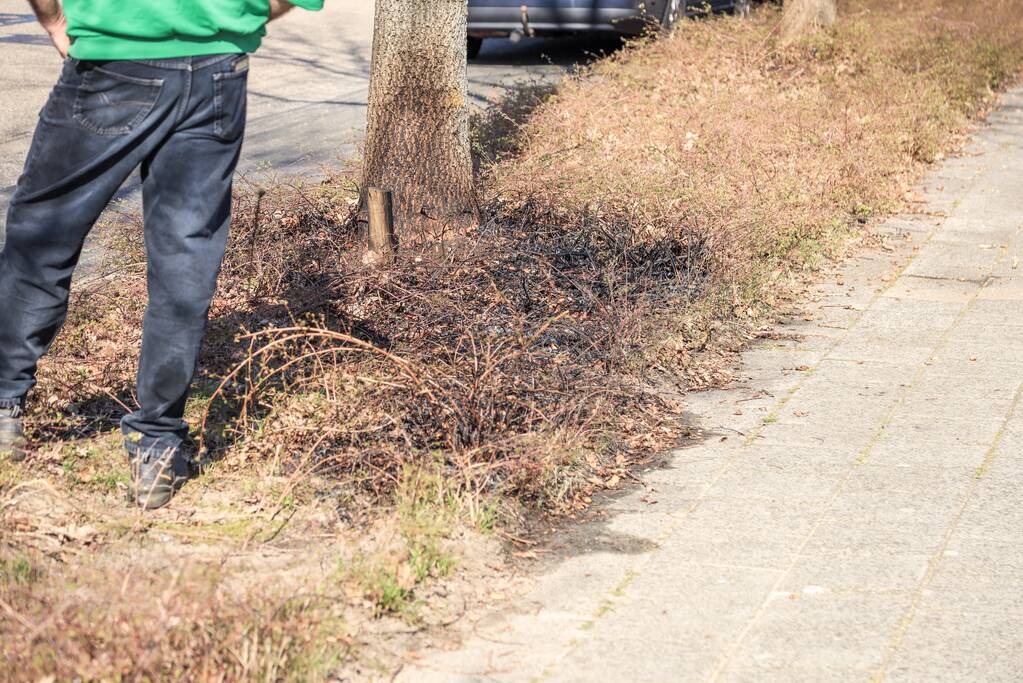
(183,120)
(187,198)
(97,126)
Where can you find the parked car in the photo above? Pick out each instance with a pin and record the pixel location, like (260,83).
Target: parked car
(517,18)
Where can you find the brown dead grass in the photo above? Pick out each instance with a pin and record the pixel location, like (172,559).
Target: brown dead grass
(643,220)
(758,155)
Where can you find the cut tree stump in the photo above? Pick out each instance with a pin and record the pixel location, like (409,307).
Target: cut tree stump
(382,241)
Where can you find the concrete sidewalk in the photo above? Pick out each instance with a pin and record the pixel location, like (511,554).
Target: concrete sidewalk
(856,509)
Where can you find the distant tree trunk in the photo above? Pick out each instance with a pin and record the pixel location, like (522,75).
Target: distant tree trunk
(806,16)
(417,139)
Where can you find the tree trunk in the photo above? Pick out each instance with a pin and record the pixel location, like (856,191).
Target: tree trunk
(803,17)
(417,139)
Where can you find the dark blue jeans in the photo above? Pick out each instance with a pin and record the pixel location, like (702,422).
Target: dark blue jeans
(182,121)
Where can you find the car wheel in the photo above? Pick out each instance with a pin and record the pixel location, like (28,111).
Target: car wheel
(474,47)
(673,11)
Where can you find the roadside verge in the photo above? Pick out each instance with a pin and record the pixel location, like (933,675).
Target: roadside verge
(644,223)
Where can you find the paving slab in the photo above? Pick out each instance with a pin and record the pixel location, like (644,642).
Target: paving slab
(854,511)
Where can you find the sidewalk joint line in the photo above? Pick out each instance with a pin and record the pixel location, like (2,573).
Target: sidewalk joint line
(727,657)
(934,563)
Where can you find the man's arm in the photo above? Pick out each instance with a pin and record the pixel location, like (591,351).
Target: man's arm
(278,8)
(51,17)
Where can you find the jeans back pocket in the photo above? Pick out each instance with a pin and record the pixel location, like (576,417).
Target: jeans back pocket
(230,99)
(109,103)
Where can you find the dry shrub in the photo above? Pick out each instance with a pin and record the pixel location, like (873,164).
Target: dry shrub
(500,360)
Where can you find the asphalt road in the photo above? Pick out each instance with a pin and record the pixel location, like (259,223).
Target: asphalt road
(308,86)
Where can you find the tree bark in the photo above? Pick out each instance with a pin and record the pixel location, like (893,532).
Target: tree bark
(803,17)
(417,138)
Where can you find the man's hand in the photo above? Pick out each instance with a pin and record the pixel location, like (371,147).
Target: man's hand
(58,35)
(279,8)
(51,17)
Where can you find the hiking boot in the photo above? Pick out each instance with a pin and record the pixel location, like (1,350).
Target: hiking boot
(157,472)
(12,435)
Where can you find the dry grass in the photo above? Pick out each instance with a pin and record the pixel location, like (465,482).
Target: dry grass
(230,590)
(754,154)
(642,221)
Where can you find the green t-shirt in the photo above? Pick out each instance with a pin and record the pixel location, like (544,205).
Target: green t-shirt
(159,29)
